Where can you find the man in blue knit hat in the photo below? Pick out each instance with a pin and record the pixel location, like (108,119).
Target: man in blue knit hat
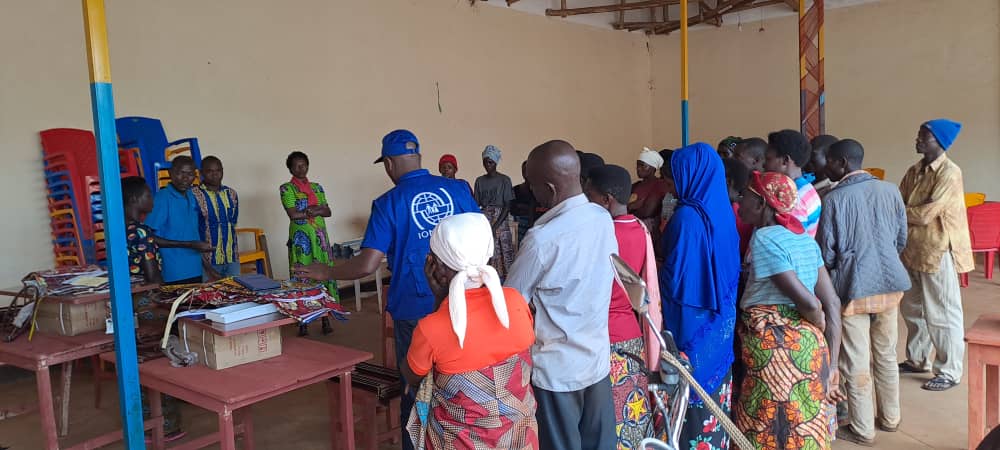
(937,250)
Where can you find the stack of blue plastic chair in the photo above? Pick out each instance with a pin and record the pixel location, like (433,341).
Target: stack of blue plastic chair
(155,151)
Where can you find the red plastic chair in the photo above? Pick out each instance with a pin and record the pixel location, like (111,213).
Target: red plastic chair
(984,231)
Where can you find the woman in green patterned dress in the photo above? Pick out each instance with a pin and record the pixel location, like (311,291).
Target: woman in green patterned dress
(308,241)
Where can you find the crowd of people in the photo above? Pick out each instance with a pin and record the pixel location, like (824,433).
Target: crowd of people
(778,265)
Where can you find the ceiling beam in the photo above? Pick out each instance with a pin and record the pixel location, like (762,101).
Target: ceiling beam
(723,7)
(563,12)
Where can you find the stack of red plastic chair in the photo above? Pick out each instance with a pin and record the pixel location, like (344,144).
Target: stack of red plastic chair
(68,154)
(984,231)
(74,200)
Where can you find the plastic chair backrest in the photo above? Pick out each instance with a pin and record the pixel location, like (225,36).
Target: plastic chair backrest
(974,199)
(876,172)
(984,226)
(78,147)
(145,133)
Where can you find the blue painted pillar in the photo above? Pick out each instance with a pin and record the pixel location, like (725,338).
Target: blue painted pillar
(130,402)
(685,121)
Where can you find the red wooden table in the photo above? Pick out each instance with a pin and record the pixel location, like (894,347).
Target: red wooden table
(45,350)
(302,363)
(984,394)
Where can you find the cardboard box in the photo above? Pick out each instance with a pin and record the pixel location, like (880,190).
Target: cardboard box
(223,352)
(70,320)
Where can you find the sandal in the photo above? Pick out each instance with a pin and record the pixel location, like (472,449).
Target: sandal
(882,426)
(170,437)
(938,384)
(906,367)
(847,433)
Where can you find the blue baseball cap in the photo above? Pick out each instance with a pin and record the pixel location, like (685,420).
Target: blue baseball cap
(398,143)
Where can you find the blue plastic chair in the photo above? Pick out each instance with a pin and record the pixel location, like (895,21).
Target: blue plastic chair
(148,136)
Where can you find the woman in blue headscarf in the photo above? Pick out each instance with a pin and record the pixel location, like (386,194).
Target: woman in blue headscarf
(698,284)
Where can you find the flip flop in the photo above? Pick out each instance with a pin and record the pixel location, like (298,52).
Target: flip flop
(847,433)
(174,436)
(938,384)
(906,367)
(882,426)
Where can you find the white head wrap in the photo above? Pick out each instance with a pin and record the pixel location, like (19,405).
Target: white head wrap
(650,157)
(464,242)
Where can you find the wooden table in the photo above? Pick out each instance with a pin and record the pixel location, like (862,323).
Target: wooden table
(45,350)
(303,362)
(984,394)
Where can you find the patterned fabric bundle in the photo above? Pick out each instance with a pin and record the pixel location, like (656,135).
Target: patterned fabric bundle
(221,293)
(305,304)
(67,281)
(490,408)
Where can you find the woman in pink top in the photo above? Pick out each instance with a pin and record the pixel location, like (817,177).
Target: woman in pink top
(610,187)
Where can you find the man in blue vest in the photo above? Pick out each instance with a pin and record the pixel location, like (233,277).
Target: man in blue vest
(400,228)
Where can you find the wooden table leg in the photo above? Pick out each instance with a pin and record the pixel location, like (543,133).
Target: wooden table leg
(246,419)
(976,400)
(333,392)
(67,380)
(227,433)
(992,395)
(155,400)
(46,408)
(342,410)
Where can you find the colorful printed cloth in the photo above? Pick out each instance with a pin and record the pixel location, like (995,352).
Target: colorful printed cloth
(628,389)
(308,241)
(218,212)
(503,239)
(701,429)
(490,408)
(783,399)
(305,304)
(141,247)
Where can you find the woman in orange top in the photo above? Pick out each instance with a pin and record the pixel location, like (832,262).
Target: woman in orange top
(477,342)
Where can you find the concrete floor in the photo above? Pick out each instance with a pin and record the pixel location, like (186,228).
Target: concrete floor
(299,420)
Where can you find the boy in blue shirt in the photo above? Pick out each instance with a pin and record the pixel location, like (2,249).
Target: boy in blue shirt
(400,228)
(174,219)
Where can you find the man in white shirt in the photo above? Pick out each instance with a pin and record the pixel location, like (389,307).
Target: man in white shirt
(564,270)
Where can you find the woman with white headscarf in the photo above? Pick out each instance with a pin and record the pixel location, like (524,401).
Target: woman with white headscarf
(473,352)
(646,202)
(494,192)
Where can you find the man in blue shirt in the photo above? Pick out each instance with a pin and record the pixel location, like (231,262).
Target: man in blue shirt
(400,228)
(174,219)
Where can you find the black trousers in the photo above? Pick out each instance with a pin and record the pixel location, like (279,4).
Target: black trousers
(577,420)
(403,330)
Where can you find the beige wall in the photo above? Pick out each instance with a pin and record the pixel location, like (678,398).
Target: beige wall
(889,66)
(253,81)
(330,78)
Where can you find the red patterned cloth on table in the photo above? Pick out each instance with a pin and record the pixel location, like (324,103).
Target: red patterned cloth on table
(304,303)
(490,408)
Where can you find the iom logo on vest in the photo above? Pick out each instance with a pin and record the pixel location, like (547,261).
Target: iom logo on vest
(429,208)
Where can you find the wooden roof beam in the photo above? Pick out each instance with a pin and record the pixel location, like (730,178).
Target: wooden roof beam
(563,12)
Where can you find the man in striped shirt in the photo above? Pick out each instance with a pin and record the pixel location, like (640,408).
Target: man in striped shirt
(218,210)
(787,152)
